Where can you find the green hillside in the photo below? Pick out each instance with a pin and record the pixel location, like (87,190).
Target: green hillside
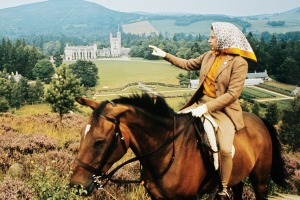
(255,24)
(291,19)
(55,17)
(90,21)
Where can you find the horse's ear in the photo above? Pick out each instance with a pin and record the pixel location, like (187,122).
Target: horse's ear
(87,102)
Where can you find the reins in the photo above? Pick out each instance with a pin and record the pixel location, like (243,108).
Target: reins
(99,177)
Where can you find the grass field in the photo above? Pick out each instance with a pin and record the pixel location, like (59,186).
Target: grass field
(281,85)
(256,93)
(168,26)
(118,73)
(143,27)
(282,104)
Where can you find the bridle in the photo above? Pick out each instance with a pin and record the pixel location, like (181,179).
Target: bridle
(99,176)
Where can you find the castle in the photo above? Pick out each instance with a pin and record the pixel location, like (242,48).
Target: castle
(92,52)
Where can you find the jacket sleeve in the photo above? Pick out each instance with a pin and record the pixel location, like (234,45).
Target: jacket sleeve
(191,64)
(234,89)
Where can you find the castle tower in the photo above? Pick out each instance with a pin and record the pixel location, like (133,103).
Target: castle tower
(115,44)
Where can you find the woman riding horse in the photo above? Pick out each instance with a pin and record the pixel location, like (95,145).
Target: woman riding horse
(173,159)
(221,80)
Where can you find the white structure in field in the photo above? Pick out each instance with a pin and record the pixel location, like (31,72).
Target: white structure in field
(256,78)
(92,52)
(296,91)
(80,52)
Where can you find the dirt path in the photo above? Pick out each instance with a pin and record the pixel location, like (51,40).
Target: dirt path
(284,197)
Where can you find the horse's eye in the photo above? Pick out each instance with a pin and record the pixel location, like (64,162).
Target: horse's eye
(98,143)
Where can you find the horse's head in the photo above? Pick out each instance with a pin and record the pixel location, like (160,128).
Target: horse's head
(103,142)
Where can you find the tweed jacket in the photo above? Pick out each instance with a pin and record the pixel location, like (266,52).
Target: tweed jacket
(229,83)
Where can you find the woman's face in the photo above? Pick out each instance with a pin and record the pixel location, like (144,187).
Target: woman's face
(213,41)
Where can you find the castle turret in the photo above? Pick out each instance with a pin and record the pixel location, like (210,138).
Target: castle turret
(115,44)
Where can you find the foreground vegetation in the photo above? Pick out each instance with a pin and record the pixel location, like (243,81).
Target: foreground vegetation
(36,159)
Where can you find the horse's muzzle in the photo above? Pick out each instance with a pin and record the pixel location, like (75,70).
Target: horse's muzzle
(83,191)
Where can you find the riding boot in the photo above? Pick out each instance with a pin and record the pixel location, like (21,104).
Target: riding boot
(223,195)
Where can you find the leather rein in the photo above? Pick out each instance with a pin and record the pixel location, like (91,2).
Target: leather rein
(99,176)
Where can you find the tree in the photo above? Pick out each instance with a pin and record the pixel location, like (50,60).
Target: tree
(277,55)
(5,88)
(290,127)
(289,72)
(256,109)
(4,106)
(15,96)
(43,70)
(87,71)
(58,60)
(273,113)
(33,55)
(184,80)
(245,105)
(36,91)
(64,87)
(23,89)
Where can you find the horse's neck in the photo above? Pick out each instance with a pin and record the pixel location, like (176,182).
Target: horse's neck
(149,134)
(164,171)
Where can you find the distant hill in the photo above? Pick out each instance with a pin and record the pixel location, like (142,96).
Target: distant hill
(91,21)
(54,17)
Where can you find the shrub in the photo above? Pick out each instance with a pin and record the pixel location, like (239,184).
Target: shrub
(26,144)
(4,105)
(12,188)
(47,182)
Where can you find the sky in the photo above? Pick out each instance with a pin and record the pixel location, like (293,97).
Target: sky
(226,7)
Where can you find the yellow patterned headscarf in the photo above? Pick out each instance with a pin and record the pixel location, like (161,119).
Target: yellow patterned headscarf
(232,41)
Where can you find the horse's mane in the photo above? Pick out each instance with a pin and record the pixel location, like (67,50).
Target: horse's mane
(153,105)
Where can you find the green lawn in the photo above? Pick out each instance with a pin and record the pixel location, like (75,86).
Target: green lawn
(168,26)
(118,73)
(256,93)
(282,104)
(281,85)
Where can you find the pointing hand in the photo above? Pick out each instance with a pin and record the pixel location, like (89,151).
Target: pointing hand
(157,51)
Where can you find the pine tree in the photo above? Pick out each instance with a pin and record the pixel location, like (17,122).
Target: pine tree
(4,106)
(63,90)
(273,113)
(36,91)
(15,96)
(290,128)
(58,60)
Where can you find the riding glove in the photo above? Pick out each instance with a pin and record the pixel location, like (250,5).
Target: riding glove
(157,51)
(199,111)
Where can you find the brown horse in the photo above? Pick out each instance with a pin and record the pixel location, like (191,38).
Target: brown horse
(174,165)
